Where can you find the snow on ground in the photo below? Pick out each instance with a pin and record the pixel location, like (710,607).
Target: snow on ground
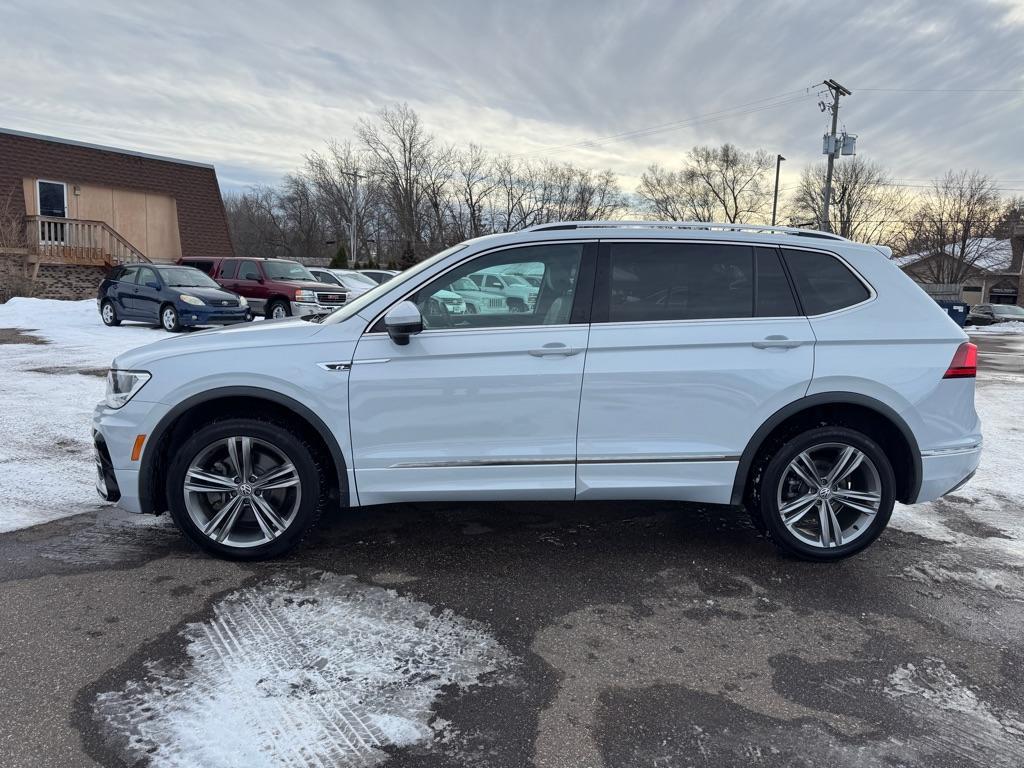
(320,674)
(1010,327)
(46,465)
(994,498)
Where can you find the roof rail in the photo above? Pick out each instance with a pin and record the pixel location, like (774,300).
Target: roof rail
(689,225)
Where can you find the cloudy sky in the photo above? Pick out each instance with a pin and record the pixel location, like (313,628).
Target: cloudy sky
(253,86)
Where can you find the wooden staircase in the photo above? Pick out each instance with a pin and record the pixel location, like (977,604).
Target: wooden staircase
(56,240)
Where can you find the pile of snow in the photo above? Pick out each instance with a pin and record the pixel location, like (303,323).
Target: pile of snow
(46,465)
(321,674)
(1013,326)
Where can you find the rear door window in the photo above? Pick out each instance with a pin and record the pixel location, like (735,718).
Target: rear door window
(228,269)
(823,282)
(204,264)
(679,281)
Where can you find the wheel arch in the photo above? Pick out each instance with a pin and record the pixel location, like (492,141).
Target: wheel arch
(225,401)
(860,412)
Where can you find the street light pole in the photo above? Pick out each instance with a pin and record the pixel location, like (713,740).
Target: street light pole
(775,200)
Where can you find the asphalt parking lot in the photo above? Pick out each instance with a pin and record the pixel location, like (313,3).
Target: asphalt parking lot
(530,634)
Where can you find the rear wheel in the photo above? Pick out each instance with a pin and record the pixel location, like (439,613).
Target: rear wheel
(245,488)
(826,494)
(169,319)
(278,309)
(108,314)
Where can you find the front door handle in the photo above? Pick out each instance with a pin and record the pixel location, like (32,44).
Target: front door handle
(555,349)
(776,342)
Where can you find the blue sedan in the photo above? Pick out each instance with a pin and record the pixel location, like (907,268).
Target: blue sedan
(172,296)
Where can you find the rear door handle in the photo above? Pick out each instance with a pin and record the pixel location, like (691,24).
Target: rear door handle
(776,342)
(555,349)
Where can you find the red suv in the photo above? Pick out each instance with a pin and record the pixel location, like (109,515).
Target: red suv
(275,287)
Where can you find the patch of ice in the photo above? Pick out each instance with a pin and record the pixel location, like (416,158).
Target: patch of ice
(323,674)
(962,724)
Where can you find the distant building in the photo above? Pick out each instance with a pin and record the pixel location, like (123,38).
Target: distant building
(993,277)
(85,208)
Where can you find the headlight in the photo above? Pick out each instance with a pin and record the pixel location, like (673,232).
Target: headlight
(305,296)
(191,299)
(242,302)
(122,386)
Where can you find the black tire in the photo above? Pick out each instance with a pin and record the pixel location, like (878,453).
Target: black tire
(108,314)
(278,304)
(308,466)
(169,319)
(765,497)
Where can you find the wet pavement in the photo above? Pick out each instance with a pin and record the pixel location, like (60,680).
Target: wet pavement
(618,634)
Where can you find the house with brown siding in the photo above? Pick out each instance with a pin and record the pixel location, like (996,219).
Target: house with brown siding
(81,208)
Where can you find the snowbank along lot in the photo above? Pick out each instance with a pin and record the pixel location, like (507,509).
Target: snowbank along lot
(505,635)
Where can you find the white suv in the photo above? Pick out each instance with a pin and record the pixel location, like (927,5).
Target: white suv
(792,372)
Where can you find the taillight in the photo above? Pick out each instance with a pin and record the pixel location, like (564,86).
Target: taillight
(965,363)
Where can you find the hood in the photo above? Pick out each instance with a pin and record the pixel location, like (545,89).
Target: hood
(325,287)
(209,295)
(258,334)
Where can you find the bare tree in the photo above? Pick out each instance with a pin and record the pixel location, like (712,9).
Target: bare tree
(954,226)
(475,181)
(737,180)
(675,195)
(865,205)
(333,175)
(12,221)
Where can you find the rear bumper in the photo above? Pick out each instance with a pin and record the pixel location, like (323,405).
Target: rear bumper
(944,472)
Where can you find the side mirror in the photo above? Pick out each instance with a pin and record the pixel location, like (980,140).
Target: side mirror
(402,321)
(154,285)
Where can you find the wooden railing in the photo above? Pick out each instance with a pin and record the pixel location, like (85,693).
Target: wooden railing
(56,240)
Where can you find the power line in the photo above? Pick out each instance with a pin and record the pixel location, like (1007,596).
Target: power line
(943,90)
(740,110)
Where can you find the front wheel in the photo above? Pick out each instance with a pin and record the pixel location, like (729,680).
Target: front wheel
(826,494)
(169,319)
(278,309)
(245,489)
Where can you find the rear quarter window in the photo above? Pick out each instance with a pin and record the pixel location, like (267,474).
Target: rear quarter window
(823,282)
(205,265)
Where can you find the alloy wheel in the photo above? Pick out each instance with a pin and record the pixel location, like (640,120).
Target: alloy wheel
(242,492)
(108,313)
(829,494)
(169,319)
(278,312)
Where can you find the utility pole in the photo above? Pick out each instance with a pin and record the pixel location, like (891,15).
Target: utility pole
(837,90)
(775,200)
(354,206)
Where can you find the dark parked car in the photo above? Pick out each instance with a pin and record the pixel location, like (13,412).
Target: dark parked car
(987,314)
(172,296)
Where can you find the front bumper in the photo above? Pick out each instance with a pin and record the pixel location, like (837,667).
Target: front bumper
(944,472)
(114,434)
(189,315)
(302,308)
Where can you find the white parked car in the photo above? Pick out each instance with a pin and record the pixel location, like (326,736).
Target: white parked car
(352,281)
(378,275)
(476,300)
(519,294)
(719,364)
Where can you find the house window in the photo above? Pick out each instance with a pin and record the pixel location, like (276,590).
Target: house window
(53,198)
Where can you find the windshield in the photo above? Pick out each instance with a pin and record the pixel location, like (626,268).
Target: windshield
(287,270)
(1009,310)
(394,284)
(187,277)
